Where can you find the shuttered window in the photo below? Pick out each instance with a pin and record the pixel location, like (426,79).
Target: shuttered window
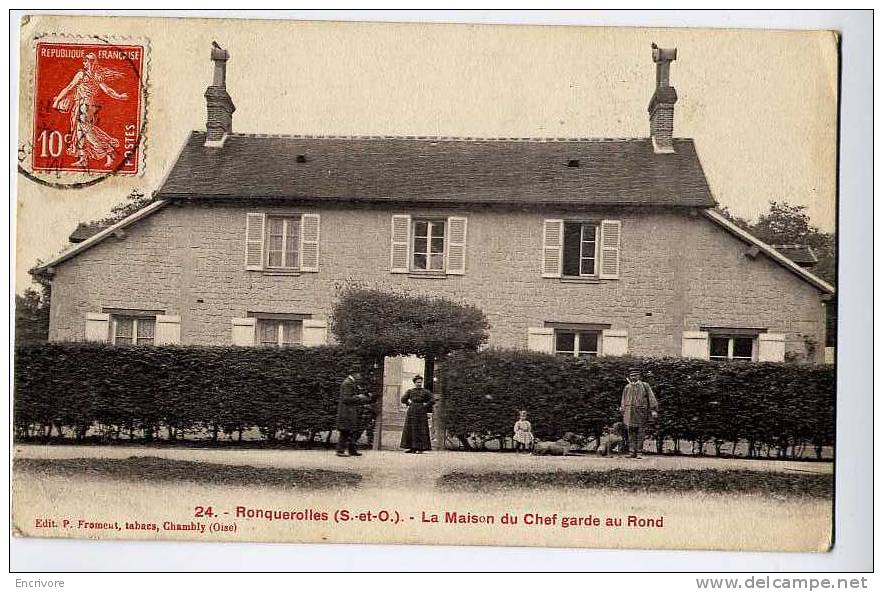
(254,241)
(126,330)
(282,242)
(456,252)
(611,231)
(553,242)
(400,244)
(279,333)
(428,245)
(731,347)
(582,344)
(581,248)
(309,243)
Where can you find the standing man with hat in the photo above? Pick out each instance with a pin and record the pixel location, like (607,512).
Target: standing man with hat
(638,404)
(349,412)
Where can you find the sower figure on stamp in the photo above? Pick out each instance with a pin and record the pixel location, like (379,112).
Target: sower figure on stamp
(349,413)
(80,98)
(638,405)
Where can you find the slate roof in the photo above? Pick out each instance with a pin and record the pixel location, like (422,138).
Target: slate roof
(443,170)
(800,254)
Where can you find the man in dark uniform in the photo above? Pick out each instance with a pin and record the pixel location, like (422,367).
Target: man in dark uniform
(349,413)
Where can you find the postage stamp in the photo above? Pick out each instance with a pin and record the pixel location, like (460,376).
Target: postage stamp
(88,105)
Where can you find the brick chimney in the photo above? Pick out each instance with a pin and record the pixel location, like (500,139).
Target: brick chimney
(662,105)
(219,105)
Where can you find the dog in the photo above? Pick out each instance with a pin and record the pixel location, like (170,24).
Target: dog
(560,447)
(612,439)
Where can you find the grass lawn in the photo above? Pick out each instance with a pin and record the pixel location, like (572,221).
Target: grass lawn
(152,468)
(736,481)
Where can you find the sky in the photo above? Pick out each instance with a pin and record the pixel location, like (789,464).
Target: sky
(760,105)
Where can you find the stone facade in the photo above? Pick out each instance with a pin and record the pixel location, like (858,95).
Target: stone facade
(679,272)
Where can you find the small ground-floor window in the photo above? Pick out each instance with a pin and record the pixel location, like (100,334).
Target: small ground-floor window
(583,344)
(731,347)
(279,332)
(132,330)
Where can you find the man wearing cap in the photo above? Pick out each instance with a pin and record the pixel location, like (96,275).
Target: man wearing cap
(638,403)
(349,416)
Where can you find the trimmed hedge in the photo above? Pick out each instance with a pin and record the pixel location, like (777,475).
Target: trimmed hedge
(139,390)
(782,407)
(170,391)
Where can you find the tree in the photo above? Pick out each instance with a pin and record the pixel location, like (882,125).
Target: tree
(32,313)
(374,324)
(784,224)
(377,323)
(133,202)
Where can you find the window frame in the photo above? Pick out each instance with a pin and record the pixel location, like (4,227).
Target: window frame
(280,332)
(430,221)
(731,344)
(595,255)
(115,318)
(577,342)
(286,219)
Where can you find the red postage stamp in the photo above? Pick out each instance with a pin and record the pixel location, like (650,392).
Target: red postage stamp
(88,107)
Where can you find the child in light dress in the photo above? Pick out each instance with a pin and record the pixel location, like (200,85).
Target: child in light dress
(523,436)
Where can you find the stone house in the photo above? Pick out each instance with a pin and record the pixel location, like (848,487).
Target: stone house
(577,246)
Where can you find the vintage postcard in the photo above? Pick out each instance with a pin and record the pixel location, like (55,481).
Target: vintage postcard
(292,281)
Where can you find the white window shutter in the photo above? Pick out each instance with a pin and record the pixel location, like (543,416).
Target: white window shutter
(553,246)
(695,345)
(97,326)
(771,347)
(315,332)
(244,331)
(309,243)
(541,339)
(168,330)
(456,252)
(614,342)
(254,241)
(400,244)
(611,236)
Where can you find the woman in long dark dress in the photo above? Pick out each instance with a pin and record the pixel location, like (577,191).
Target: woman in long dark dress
(415,435)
